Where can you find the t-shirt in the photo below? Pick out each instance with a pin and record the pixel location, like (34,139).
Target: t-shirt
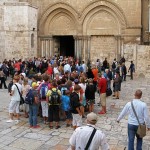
(35,94)
(95,73)
(25,89)
(65,102)
(16,96)
(74,102)
(102,85)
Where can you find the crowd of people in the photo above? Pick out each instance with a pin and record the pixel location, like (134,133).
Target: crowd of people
(73,80)
(61,88)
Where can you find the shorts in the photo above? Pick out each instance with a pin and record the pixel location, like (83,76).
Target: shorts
(77,120)
(68,115)
(14,107)
(91,101)
(53,113)
(26,107)
(44,106)
(83,102)
(103,99)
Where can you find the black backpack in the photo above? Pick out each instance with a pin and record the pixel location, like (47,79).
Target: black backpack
(54,99)
(113,65)
(29,99)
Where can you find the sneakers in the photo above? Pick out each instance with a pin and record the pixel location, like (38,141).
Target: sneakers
(9,121)
(35,127)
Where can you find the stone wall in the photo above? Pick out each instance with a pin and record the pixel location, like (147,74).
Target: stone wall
(18,22)
(103,47)
(140,55)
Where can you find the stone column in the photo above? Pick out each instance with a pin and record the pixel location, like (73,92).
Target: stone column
(42,48)
(89,47)
(118,50)
(51,46)
(86,48)
(46,48)
(75,47)
(122,46)
(78,46)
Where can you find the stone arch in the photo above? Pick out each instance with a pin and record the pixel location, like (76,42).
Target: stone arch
(55,12)
(110,9)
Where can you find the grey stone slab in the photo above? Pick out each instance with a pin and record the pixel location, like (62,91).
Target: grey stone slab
(45,147)
(37,136)
(52,142)
(6,131)
(55,133)
(65,135)
(27,144)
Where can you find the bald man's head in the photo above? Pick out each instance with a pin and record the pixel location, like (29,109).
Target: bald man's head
(138,94)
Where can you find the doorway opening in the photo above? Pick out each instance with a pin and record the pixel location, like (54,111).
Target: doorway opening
(66,45)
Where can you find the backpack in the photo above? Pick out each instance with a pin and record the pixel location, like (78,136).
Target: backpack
(54,99)
(63,89)
(43,91)
(29,99)
(113,65)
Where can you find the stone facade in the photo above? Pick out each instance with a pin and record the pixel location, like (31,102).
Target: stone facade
(18,23)
(100,28)
(92,23)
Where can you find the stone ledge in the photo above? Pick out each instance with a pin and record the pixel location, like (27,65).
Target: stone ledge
(19,4)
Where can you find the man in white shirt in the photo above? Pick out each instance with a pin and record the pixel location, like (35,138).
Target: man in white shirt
(67,68)
(81,136)
(84,67)
(142,113)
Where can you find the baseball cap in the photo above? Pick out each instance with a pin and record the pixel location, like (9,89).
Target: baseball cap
(34,84)
(76,81)
(92,117)
(23,74)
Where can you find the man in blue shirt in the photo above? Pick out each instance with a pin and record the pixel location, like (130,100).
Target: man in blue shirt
(142,113)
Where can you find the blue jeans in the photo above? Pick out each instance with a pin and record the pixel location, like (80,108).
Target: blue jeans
(132,129)
(33,111)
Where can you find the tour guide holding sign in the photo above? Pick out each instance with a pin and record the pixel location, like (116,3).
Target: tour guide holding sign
(142,114)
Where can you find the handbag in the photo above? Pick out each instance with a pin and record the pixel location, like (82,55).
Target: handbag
(90,139)
(21,98)
(108,92)
(141,131)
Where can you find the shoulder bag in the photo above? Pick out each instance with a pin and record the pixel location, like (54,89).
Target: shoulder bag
(142,127)
(21,98)
(90,139)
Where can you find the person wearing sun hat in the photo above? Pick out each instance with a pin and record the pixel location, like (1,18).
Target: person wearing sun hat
(15,99)
(33,109)
(78,140)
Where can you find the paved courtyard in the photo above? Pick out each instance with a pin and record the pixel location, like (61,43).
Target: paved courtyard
(21,137)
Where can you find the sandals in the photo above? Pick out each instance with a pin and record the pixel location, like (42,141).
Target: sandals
(51,127)
(57,127)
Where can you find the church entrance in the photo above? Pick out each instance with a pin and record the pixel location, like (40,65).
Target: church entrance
(65,45)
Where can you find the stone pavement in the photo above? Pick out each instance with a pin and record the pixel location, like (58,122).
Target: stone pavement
(21,137)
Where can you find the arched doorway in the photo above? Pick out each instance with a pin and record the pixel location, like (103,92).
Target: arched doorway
(64,45)
(59,23)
